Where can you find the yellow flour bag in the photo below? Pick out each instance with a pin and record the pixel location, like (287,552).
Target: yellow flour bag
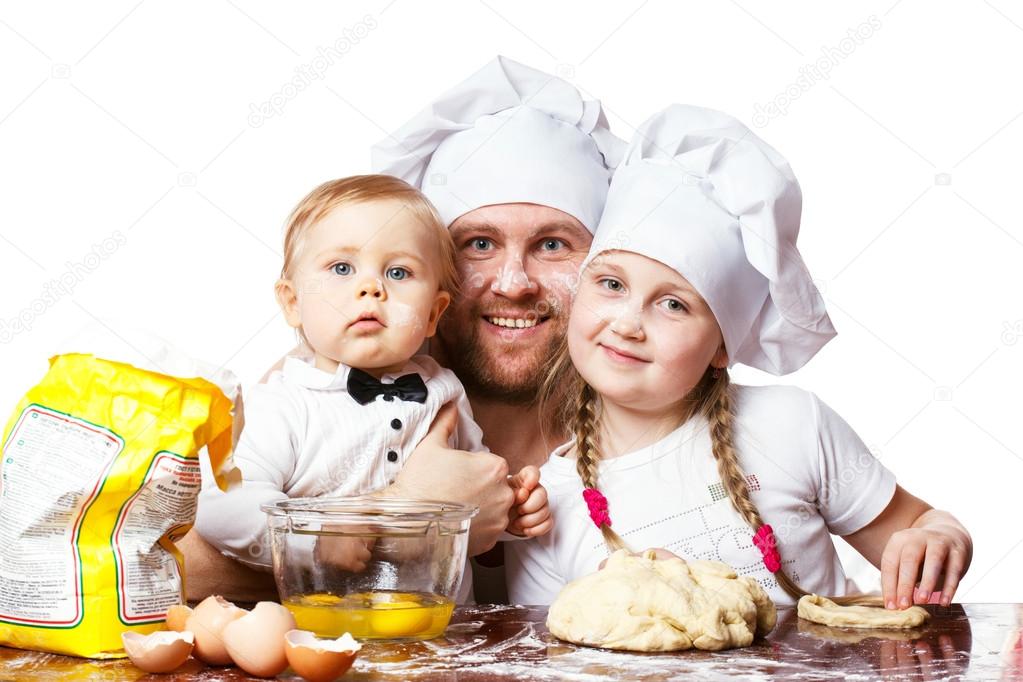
(99,476)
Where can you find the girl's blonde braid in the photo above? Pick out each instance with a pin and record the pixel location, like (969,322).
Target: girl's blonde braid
(588,453)
(720,417)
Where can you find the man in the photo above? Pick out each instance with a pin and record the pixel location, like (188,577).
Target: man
(518,165)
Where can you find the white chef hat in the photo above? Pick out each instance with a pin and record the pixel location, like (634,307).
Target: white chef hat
(507,134)
(699,192)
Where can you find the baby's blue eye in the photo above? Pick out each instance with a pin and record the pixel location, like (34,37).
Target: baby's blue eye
(675,305)
(397,274)
(610,283)
(342,269)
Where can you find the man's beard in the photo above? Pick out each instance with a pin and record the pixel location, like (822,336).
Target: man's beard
(504,372)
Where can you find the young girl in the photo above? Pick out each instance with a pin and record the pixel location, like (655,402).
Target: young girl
(694,268)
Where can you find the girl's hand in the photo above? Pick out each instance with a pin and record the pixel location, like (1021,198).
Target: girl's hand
(659,553)
(912,542)
(934,556)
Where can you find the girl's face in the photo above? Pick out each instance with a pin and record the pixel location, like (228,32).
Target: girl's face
(639,334)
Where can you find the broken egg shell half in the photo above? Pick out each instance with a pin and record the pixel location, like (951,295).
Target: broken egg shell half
(320,660)
(256,640)
(207,622)
(159,652)
(177,616)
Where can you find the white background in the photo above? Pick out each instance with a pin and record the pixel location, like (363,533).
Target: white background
(131,122)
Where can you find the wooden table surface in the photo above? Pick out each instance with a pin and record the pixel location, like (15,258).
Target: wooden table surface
(511,643)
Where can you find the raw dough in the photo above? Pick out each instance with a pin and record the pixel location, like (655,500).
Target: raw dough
(857,635)
(642,604)
(822,610)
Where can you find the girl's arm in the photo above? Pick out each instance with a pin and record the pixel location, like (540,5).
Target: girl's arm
(911,542)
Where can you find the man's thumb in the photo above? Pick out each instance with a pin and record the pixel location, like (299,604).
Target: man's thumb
(443,424)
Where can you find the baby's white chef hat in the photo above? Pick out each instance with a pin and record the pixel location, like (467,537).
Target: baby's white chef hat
(507,134)
(699,192)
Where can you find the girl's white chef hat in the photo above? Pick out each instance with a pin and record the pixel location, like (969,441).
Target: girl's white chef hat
(507,134)
(699,192)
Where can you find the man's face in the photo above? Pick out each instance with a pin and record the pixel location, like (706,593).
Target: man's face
(519,264)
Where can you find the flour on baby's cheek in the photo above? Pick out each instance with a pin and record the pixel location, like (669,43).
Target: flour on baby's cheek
(404,315)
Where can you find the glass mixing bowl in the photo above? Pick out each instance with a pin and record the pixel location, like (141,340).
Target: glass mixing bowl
(378,568)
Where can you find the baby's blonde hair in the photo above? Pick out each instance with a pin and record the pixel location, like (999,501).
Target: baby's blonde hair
(565,399)
(357,189)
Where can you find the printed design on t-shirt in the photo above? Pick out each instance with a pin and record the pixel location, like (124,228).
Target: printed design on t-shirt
(718,492)
(700,533)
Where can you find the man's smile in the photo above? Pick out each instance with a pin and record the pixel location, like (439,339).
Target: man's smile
(514,321)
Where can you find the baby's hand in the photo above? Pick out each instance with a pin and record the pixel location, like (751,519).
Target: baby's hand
(350,554)
(530,515)
(929,555)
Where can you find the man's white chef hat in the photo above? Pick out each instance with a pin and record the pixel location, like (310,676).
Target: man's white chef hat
(699,192)
(507,134)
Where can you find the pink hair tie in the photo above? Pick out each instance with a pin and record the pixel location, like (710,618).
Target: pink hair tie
(768,546)
(597,504)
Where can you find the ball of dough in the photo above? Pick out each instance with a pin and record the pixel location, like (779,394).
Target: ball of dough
(638,603)
(822,610)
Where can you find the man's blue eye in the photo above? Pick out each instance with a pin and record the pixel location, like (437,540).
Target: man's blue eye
(552,244)
(481,244)
(398,273)
(342,269)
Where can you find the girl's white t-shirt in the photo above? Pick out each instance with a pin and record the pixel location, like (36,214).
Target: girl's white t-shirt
(809,475)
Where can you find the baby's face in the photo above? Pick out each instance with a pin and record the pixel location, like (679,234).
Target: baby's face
(366,287)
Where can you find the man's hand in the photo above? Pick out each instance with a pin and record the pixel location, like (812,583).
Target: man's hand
(210,572)
(438,472)
(531,515)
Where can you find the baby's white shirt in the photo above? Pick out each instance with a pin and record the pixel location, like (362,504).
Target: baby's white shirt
(306,436)
(809,475)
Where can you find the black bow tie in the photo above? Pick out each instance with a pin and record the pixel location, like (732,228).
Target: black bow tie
(365,387)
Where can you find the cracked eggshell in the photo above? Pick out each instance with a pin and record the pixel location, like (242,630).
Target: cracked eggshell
(256,640)
(207,622)
(320,660)
(177,616)
(159,652)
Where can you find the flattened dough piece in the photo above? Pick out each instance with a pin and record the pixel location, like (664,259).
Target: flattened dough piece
(638,603)
(822,610)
